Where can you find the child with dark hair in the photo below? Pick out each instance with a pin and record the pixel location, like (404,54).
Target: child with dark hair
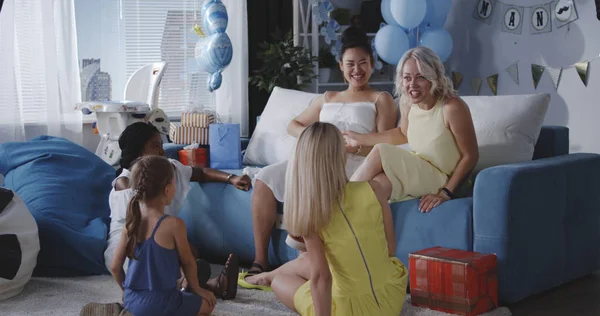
(156,245)
(143,139)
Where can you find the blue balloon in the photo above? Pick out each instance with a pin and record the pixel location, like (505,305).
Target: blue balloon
(214,82)
(436,13)
(214,16)
(439,40)
(413,35)
(386,12)
(391,42)
(408,13)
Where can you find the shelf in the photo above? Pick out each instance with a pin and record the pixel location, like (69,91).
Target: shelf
(335,84)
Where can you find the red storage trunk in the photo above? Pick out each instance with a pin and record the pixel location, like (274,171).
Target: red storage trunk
(454,281)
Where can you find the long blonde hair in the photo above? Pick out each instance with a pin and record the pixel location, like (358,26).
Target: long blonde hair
(316,179)
(431,67)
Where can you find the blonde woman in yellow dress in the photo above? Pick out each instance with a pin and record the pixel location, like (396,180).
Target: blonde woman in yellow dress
(440,132)
(349,267)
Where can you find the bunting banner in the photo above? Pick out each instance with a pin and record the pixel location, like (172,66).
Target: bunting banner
(457,78)
(493,83)
(513,71)
(511,18)
(582,70)
(536,72)
(554,74)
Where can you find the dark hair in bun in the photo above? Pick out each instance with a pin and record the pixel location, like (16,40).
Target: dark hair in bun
(354,37)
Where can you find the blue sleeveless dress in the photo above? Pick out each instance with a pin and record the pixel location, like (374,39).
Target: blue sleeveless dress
(151,282)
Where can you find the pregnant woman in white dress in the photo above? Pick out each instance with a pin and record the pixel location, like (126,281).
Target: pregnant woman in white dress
(359,108)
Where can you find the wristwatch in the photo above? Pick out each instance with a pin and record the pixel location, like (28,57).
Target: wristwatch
(231,175)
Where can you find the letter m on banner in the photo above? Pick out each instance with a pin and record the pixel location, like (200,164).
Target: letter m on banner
(484,10)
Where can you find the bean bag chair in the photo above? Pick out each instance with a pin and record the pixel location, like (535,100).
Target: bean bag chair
(66,189)
(19,244)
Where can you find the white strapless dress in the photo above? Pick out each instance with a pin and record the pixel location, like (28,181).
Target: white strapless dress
(358,117)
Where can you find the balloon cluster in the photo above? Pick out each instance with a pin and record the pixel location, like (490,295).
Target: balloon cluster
(406,19)
(213,50)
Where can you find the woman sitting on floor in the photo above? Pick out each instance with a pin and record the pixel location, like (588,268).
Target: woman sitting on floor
(349,267)
(143,139)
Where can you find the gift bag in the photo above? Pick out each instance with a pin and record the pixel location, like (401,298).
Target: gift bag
(225,146)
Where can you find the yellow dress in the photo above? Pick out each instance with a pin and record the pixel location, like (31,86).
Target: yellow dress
(435,154)
(366,280)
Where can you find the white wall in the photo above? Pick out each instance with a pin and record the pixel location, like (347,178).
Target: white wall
(481,50)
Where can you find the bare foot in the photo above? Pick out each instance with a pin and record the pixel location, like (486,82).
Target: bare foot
(264,279)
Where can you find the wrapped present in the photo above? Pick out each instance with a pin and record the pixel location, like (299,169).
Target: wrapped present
(225,146)
(188,135)
(454,281)
(195,157)
(195,119)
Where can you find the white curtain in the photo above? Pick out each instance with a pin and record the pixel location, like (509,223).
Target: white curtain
(232,96)
(39,70)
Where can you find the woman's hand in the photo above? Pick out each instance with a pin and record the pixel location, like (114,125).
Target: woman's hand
(241,182)
(207,296)
(428,202)
(352,144)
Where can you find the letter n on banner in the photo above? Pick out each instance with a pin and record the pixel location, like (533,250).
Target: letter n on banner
(512,18)
(484,10)
(541,20)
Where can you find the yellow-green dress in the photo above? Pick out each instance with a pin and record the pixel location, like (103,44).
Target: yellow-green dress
(366,280)
(434,155)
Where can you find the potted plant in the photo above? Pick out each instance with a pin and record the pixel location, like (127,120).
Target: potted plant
(283,64)
(326,63)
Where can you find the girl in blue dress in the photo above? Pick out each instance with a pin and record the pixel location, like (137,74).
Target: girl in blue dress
(157,246)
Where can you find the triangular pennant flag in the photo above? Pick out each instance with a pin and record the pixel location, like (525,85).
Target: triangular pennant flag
(537,71)
(554,74)
(457,78)
(493,83)
(513,71)
(582,70)
(476,85)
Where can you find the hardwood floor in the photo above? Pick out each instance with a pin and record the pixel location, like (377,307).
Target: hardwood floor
(578,298)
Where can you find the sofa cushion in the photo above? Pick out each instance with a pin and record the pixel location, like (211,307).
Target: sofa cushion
(270,142)
(507,127)
(66,188)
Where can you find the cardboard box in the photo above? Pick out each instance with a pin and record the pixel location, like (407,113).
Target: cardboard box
(188,135)
(193,119)
(454,281)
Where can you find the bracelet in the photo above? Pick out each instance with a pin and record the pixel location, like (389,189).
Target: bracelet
(358,150)
(449,193)
(229,177)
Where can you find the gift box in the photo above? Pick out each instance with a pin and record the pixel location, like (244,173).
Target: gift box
(453,281)
(195,119)
(188,135)
(225,146)
(197,157)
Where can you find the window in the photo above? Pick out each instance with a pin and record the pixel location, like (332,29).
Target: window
(128,34)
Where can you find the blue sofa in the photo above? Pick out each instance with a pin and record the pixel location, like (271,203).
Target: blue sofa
(541,218)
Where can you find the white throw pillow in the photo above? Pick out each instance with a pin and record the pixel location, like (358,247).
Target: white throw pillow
(507,127)
(270,142)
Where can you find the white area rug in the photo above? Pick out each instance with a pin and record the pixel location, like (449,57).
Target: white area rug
(66,297)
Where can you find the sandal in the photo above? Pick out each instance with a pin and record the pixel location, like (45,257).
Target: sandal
(243,283)
(229,274)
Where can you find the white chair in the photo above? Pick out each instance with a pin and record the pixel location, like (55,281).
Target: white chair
(140,104)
